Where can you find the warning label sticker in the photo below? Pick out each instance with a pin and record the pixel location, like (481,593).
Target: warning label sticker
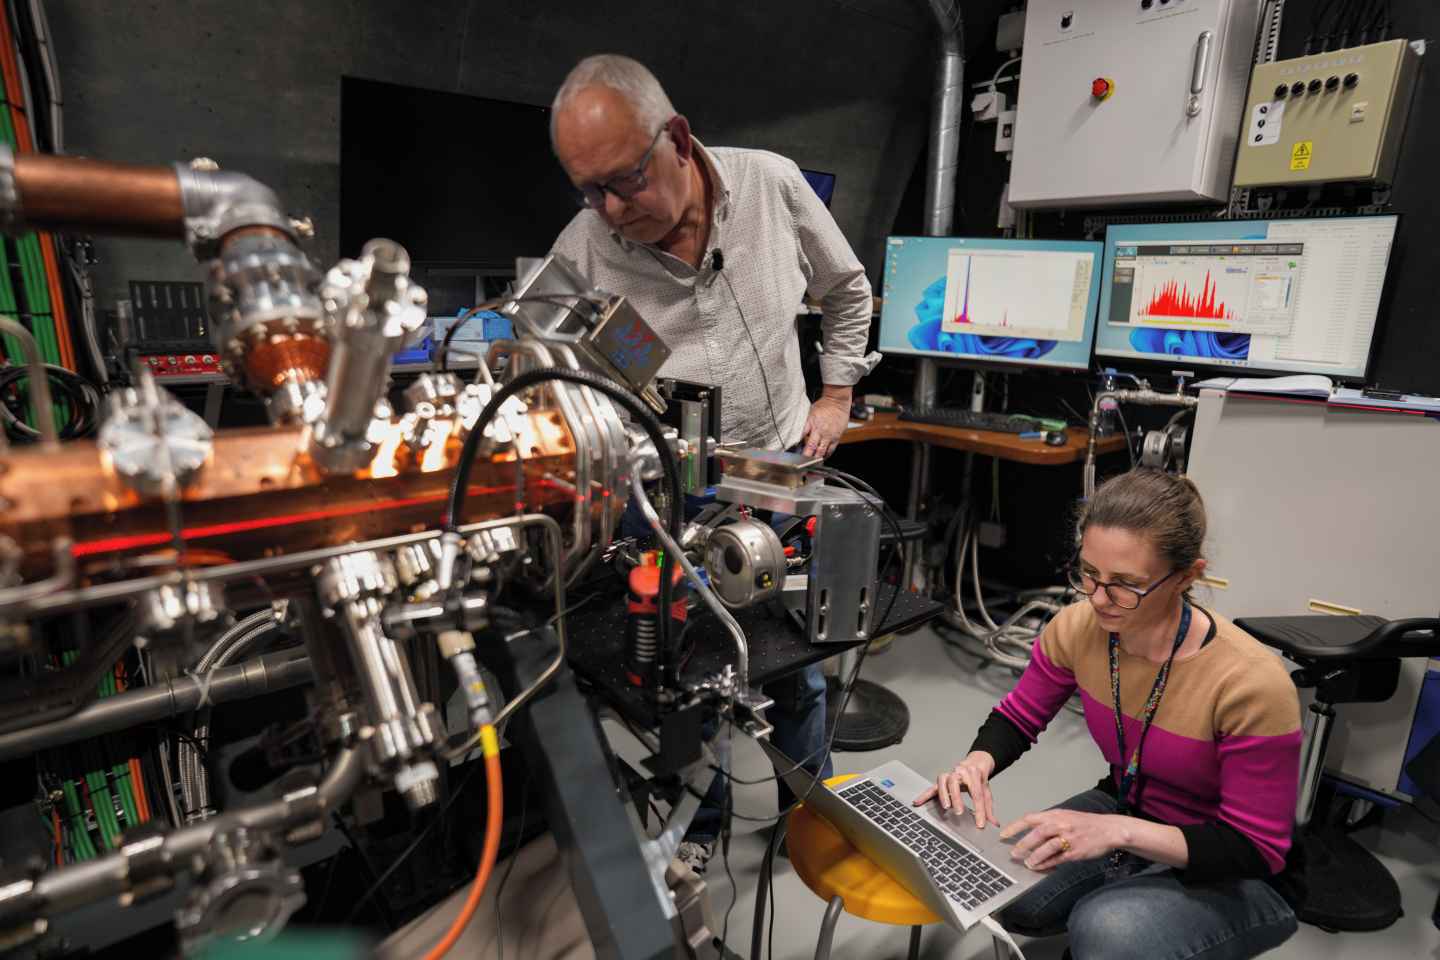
(1265,123)
(1301,154)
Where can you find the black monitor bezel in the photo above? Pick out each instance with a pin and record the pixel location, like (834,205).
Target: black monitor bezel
(1201,369)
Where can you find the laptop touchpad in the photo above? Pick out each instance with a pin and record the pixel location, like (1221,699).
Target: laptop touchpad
(961,825)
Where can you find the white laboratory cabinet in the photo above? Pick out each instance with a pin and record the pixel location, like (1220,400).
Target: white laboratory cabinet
(1130,101)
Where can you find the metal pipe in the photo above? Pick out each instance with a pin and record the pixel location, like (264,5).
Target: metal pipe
(273,671)
(122,590)
(377,307)
(947,104)
(38,378)
(73,886)
(1143,396)
(1312,763)
(78,196)
(742,652)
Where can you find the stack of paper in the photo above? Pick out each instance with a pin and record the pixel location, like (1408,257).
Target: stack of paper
(1309,385)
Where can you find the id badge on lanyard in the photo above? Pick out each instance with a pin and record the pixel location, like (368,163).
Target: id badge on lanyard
(1123,864)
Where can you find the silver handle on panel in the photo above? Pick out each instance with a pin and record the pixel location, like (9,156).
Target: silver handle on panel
(1197,78)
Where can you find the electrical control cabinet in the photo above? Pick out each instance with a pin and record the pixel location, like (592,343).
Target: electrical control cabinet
(1130,101)
(1333,117)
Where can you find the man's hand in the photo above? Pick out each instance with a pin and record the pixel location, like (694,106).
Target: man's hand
(827,420)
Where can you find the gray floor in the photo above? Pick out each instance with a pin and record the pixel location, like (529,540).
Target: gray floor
(949,699)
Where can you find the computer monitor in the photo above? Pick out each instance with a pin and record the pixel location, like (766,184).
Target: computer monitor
(1021,302)
(822,183)
(476,184)
(1269,296)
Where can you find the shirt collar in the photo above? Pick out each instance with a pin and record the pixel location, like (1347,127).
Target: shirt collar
(717,181)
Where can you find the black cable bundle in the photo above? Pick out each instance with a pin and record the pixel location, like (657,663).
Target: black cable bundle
(674,497)
(84,402)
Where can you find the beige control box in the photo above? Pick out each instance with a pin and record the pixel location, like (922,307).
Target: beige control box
(1332,117)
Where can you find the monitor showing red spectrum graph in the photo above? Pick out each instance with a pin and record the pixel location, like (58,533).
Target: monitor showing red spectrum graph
(1001,301)
(1288,296)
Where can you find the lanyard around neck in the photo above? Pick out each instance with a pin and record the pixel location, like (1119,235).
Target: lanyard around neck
(1127,779)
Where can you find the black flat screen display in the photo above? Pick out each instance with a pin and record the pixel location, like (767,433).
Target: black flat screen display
(455,179)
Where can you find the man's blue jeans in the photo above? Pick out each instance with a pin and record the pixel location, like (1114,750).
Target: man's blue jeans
(1150,915)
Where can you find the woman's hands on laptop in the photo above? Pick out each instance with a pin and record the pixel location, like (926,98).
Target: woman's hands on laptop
(972,776)
(1059,836)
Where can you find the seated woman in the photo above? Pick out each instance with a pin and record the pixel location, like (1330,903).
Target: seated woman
(1179,850)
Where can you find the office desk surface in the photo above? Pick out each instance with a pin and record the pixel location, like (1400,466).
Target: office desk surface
(1007,446)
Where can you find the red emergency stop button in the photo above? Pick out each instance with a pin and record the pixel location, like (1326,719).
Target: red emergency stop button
(1102,88)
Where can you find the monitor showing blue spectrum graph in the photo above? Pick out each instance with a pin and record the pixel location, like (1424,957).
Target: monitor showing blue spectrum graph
(1269,296)
(1024,302)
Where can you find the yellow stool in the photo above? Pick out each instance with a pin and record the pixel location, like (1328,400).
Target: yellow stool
(837,872)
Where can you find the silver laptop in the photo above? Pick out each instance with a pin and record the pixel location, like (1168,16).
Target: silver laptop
(959,871)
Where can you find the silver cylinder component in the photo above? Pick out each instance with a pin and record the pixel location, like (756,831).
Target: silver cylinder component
(947,102)
(12,216)
(745,563)
(406,730)
(127,438)
(241,891)
(269,327)
(264,674)
(372,305)
(218,202)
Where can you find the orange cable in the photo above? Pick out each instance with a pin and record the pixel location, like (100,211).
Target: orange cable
(138,782)
(496,799)
(57,301)
(11,73)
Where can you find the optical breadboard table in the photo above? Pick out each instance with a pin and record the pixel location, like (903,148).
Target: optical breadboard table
(1006,446)
(777,648)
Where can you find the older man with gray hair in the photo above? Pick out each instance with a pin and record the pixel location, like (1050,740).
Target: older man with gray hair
(717,248)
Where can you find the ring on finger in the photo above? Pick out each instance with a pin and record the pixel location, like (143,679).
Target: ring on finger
(1066,843)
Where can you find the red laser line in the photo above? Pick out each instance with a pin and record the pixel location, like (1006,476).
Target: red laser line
(241,526)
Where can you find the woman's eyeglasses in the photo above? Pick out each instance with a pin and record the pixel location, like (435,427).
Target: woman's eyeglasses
(1125,597)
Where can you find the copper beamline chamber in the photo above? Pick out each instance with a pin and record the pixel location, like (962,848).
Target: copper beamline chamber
(78,196)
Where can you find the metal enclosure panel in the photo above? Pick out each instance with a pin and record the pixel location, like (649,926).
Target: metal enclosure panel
(587,812)
(1310,502)
(841,605)
(1341,147)
(1138,145)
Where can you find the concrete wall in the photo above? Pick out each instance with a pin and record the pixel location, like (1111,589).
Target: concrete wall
(840,87)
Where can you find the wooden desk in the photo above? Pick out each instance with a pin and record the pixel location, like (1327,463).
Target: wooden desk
(1006,446)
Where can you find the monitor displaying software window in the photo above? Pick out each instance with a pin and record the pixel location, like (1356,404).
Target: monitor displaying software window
(1024,302)
(1281,296)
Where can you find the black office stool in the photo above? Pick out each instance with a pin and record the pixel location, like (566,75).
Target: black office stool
(1346,660)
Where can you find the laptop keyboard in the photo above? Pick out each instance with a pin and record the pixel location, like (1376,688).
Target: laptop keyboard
(965,878)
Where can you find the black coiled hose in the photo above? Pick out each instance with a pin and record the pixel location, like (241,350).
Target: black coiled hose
(460,481)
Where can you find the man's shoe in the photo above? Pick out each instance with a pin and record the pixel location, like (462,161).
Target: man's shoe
(695,855)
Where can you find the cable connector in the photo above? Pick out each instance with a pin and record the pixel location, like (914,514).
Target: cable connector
(458,647)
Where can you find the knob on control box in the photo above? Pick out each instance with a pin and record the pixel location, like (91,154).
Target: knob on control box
(1102,87)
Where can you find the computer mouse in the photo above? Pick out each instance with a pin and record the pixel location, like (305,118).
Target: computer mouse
(1056,438)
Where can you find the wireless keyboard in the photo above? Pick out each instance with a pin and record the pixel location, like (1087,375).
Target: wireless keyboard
(972,420)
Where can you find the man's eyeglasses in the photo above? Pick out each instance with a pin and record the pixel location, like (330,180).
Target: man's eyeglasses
(625,185)
(1127,598)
